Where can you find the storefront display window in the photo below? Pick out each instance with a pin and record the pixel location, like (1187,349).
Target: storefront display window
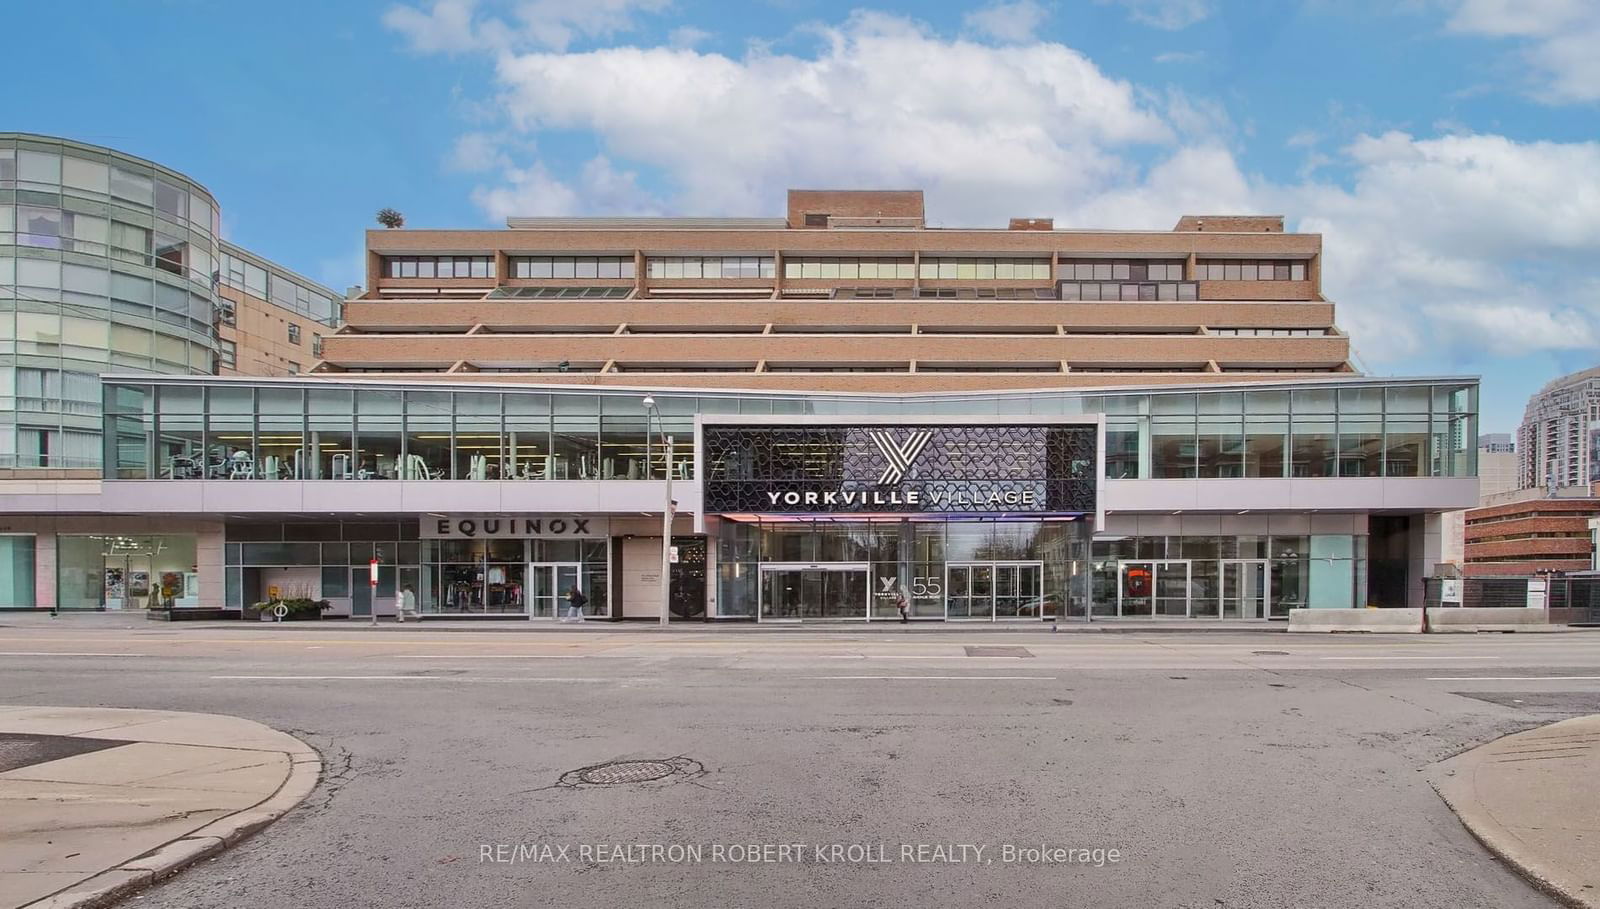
(16,570)
(126,571)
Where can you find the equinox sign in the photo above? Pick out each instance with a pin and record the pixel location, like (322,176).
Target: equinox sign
(899,454)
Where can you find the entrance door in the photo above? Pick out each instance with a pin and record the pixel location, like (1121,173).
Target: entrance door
(360,592)
(1019,590)
(1153,589)
(1244,588)
(548,583)
(791,592)
(969,591)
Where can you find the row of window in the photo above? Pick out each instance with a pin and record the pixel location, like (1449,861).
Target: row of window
(1249,270)
(572,267)
(856,267)
(27,446)
(963,269)
(1270,332)
(52,228)
(438,266)
(47,171)
(1184,290)
(710,267)
(930,268)
(244,275)
(1120,270)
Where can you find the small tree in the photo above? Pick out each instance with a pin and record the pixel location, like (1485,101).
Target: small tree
(390,218)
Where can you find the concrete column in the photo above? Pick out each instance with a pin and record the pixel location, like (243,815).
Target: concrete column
(1424,549)
(209,565)
(44,568)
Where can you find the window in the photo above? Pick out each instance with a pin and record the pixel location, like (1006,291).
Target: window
(1074,290)
(294,368)
(316,345)
(964,269)
(438,266)
(228,357)
(225,311)
(817,220)
(294,333)
(1120,270)
(710,267)
(615,293)
(1250,270)
(619,267)
(848,267)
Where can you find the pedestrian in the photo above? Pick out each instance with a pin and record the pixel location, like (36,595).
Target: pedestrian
(408,602)
(904,606)
(575,601)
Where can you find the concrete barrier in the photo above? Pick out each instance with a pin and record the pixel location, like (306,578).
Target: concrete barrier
(1448,620)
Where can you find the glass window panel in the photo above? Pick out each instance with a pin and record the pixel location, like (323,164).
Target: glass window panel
(88,175)
(172,199)
(38,167)
(132,186)
(1313,453)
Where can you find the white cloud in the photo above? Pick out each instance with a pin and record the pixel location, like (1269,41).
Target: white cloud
(1452,243)
(454,26)
(687,36)
(1167,14)
(1180,57)
(881,103)
(1015,21)
(1468,242)
(475,152)
(1560,37)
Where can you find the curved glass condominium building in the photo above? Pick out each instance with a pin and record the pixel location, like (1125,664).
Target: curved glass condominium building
(106,264)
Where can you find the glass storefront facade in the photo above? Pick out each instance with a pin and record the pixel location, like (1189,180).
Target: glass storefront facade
(1355,428)
(332,560)
(126,571)
(17,566)
(1229,577)
(106,265)
(843,569)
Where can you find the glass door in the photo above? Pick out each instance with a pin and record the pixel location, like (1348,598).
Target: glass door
(360,592)
(1244,588)
(791,592)
(969,591)
(547,587)
(1019,590)
(1153,589)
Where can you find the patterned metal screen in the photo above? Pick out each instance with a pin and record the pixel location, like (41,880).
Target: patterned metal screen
(907,468)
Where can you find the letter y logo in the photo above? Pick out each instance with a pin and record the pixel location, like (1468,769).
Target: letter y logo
(900,455)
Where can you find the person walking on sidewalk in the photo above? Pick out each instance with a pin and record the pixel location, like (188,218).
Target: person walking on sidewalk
(903,606)
(408,602)
(575,602)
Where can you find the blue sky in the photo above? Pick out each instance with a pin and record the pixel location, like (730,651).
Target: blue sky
(1447,149)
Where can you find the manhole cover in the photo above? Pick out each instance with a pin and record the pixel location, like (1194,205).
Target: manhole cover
(1270,652)
(18,750)
(616,773)
(998,652)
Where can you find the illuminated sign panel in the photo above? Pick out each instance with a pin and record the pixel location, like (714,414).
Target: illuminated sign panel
(988,469)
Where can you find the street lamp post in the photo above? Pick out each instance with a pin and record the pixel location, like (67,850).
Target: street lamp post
(666,514)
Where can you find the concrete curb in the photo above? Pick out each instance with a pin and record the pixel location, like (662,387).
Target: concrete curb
(1454,779)
(158,864)
(886,628)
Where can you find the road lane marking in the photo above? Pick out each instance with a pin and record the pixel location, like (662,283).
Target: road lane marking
(404,678)
(66,653)
(1515,678)
(937,678)
(1411,658)
(487,656)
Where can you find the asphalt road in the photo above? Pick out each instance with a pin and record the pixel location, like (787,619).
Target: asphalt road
(1226,770)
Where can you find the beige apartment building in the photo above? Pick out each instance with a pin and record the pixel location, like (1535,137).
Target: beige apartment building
(849,291)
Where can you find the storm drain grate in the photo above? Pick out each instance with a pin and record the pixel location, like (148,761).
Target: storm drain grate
(1019,652)
(20,750)
(616,773)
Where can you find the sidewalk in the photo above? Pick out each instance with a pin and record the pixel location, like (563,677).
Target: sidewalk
(97,803)
(1532,799)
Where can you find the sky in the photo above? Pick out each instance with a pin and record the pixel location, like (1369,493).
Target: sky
(1447,150)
